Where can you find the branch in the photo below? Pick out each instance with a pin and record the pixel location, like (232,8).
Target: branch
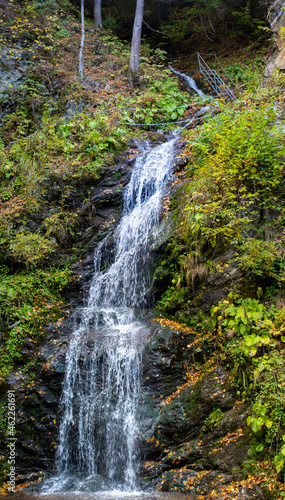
(156,31)
(204,29)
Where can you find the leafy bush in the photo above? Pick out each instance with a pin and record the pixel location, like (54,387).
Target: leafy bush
(60,225)
(31,248)
(238,158)
(254,356)
(248,75)
(172,298)
(161,102)
(212,420)
(27,302)
(259,258)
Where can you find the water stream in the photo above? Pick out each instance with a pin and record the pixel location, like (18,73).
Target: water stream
(189,81)
(99,429)
(100,495)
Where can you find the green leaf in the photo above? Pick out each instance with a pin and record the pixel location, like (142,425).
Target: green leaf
(232,310)
(244,329)
(259,447)
(268,423)
(278,462)
(93,124)
(283,450)
(240,314)
(249,341)
(256,424)
(265,339)
(174,116)
(253,351)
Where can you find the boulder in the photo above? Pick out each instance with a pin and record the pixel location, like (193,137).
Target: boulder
(276,18)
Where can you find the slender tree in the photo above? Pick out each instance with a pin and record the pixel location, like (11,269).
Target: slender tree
(248,6)
(98,13)
(81,53)
(136,42)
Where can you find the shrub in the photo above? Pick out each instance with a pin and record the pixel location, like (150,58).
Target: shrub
(238,158)
(31,248)
(259,257)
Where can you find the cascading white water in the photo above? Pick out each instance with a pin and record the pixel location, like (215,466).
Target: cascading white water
(99,428)
(190,81)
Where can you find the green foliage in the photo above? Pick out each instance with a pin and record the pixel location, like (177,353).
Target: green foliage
(241,316)
(212,420)
(260,258)
(254,356)
(260,418)
(27,302)
(61,225)
(186,20)
(77,149)
(245,23)
(246,318)
(31,248)
(109,23)
(24,33)
(238,160)
(236,167)
(79,140)
(161,102)
(249,74)
(241,149)
(172,298)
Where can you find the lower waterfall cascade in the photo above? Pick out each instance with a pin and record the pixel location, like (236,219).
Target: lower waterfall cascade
(99,430)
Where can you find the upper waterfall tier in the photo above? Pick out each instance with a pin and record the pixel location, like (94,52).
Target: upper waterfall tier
(125,282)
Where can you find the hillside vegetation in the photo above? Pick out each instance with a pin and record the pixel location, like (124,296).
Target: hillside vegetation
(227,252)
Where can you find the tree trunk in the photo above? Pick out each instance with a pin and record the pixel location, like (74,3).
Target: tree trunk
(97,13)
(81,55)
(248,6)
(136,42)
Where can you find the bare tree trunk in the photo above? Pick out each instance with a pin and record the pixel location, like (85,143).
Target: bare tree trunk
(248,6)
(97,13)
(136,41)
(210,23)
(204,29)
(81,55)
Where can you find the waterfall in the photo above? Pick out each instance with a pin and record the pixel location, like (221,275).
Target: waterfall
(99,429)
(189,81)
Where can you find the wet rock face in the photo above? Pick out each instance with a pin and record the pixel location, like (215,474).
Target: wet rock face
(192,426)
(37,403)
(12,68)
(276,19)
(276,15)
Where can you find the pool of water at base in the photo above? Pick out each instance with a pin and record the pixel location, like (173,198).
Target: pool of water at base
(99,495)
